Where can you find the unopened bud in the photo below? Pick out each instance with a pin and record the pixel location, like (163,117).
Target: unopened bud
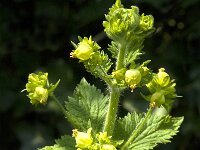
(132,77)
(163,77)
(158,98)
(83,140)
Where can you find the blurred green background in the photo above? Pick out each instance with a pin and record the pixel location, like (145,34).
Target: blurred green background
(36,35)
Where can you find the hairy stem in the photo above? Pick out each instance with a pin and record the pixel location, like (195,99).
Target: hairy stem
(114,95)
(139,128)
(54,98)
(112,111)
(120,58)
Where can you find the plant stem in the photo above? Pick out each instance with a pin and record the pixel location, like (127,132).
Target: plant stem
(120,58)
(114,95)
(112,111)
(54,98)
(135,132)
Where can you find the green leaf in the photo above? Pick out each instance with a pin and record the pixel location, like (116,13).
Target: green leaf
(87,108)
(64,143)
(156,130)
(125,126)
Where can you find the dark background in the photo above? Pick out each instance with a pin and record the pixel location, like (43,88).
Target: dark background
(35,36)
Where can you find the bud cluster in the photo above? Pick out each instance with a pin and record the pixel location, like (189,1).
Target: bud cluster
(162,89)
(101,141)
(38,88)
(122,23)
(95,61)
(134,76)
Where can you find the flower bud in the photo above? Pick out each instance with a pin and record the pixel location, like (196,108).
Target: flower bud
(85,49)
(163,78)
(158,98)
(144,71)
(119,74)
(132,77)
(146,22)
(38,88)
(41,95)
(35,80)
(83,140)
(103,137)
(121,21)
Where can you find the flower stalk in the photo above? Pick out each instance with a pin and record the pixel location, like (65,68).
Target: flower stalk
(54,98)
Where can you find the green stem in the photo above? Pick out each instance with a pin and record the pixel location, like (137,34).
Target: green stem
(136,132)
(54,98)
(114,95)
(120,58)
(112,111)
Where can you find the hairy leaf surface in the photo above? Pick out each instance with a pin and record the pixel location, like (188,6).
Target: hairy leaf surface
(87,108)
(156,130)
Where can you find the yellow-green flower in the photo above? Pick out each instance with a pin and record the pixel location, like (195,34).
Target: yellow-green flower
(146,22)
(162,89)
(119,74)
(133,77)
(38,88)
(158,98)
(163,78)
(85,49)
(83,140)
(103,137)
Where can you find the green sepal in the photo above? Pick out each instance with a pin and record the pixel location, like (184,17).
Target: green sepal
(52,87)
(87,108)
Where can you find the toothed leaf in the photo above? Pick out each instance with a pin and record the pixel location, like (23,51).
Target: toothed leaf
(158,129)
(87,108)
(64,143)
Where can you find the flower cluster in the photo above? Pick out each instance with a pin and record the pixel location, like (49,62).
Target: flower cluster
(38,88)
(122,22)
(101,141)
(162,89)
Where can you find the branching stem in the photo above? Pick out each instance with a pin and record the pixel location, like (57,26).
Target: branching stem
(114,95)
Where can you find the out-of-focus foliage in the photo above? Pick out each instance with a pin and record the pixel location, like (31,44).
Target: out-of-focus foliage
(36,35)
